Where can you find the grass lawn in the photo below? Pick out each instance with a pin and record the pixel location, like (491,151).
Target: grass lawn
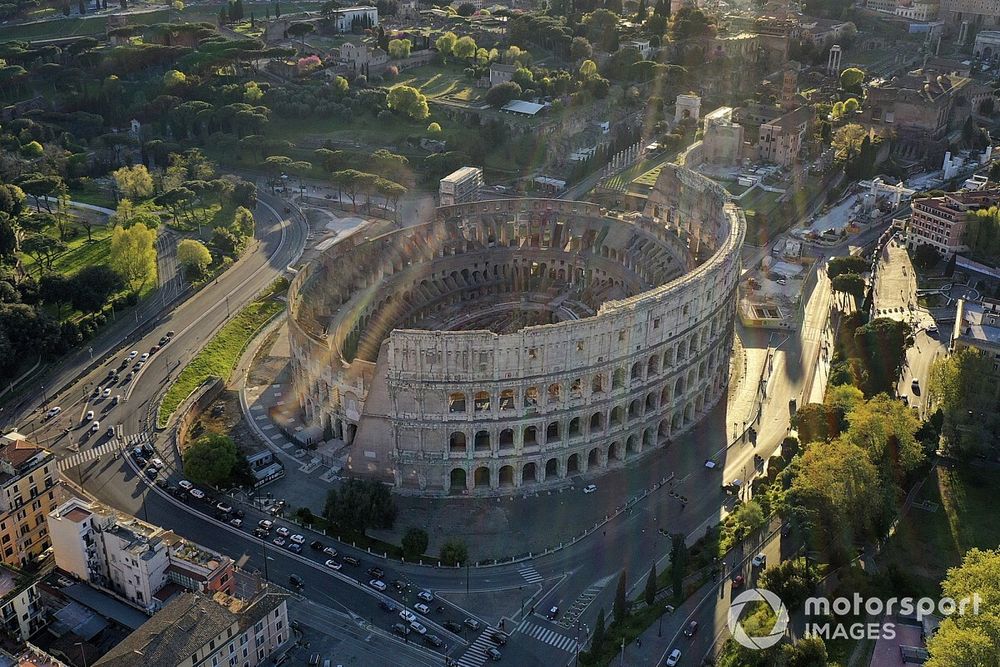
(927,543)
(219,357)
(93,194)
(74,26)
(78,254)
(434,81)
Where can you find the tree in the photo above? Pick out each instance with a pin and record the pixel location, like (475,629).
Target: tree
(399,48)
(445,44)
(210,459)
(414,543)
(454,552)
(620,609)
(886,429)
(597,639)
(193,256)
(847,141)
(580,48)
(174,78)
(465,48)
(134,182)
(300,30)
(846,264)
(850,283)
(690,22)
(434,128)
(851,105)
(809,651)
(649,594)
(408,101)
(926,257)
(678,563)
(360,504)
(961,386)
(851,79)
(466,9)
(882,347)
(790,580)
(133,256)
(502,93)
(970,639)
(588,68)
(93,286)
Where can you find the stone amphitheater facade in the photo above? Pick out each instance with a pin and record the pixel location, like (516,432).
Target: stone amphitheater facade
(515,343)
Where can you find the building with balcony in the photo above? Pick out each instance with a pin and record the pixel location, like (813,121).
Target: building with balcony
(780,140)
(977,325)
(135,560)
(29,490)
(196,629)
(21,611)
(461,186)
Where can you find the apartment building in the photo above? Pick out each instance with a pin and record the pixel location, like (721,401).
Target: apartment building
(194,629)
(977,325)
(940,222)
(21,611)
(142,563)
(29,490)
(461,186)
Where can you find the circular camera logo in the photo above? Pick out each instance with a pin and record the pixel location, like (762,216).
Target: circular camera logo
(776,605)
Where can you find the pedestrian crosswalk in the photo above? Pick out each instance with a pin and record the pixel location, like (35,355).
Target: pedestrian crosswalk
(475,655)
(112,446)
(530,574)
(550,637)
(86,455)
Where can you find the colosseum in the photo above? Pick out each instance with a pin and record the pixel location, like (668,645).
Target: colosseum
(513,343)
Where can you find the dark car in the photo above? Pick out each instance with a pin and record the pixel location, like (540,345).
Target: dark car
(452,626)
(433,640)
(296,581)
(553,613)
(494,654)
(385,605)
(316,544)
(295,548)
(376,572)
(499,638)
(691,629)
(399,585)
(351,560)
(400,629)
(472,624)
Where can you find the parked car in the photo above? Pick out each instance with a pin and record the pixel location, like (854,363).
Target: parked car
(418,627)
(426,596)
(298,539)
(133,354)
(385,605)
(95,427)
(236,522)
(89,416)
(316,544)
(376,584)
(145,355)
(283,531)
(738,581)
(279,541)
(472,624)
(197,493)
(53,412)
(433,640)
(405,614)
(376,572)
(401,629)
(259,532)
(106,393)
(452,626)
(333,565)
(295,548)
(590,488)
(351,560)
(330,551)
(673,658)
(265,524)
(186,485)
(422,608)
(110,432)
(224,508)
(760,560)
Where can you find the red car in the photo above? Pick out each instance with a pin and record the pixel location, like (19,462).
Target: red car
(738,581)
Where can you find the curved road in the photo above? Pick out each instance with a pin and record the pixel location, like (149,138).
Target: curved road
(578,579)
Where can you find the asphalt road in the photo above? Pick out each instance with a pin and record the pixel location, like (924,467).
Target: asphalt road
(578,579)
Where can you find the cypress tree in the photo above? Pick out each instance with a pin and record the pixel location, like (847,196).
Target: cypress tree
(621,602)
(650,593)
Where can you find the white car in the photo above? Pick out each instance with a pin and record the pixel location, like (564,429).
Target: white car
(53,412)
(265,524)
(407,616)
(377,585)
(156,462)
(281,530)
(133,354)
(197,493)
(186,485)
(673,658)
(95,427)
(333,565)
(221,506)
(590,488)
(280,541)
(426,596)
(298,539)
(236,522)
(90,415)
(106,393)
(329,551)
(759,560)
(145,355)
(422,608)
(418,628)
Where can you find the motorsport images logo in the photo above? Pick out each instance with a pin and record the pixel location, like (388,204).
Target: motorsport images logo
(776,605)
